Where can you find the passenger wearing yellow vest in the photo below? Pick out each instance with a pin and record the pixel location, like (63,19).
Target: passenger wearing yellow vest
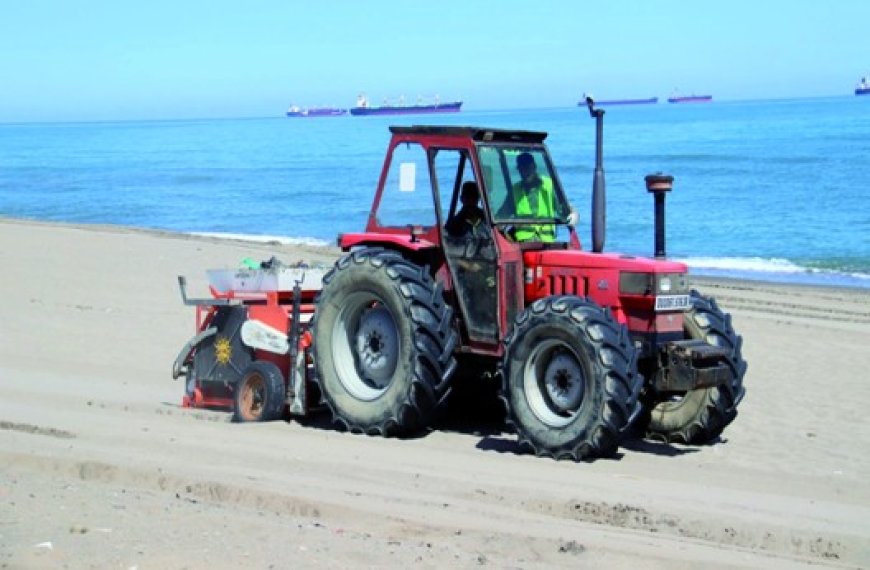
(533,196)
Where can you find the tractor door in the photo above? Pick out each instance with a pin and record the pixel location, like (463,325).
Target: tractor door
(469,249)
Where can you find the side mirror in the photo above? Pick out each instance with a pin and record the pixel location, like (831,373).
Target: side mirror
(573,217)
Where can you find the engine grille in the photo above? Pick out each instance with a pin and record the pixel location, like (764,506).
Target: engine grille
(564,284)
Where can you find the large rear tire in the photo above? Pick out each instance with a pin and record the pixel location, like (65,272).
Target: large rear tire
(570,379)
(383,343)
(699,416)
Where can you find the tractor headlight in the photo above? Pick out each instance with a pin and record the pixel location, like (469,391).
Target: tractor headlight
(653,283)
(664,284)
(673,284)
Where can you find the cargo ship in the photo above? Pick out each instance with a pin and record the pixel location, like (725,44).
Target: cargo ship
(863,87)
(690,98)
(295,111)
(647,101)
(363,108)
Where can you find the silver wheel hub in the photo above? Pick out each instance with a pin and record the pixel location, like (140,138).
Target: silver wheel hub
(554,382)
(365,346)
(377,346)
(563,381)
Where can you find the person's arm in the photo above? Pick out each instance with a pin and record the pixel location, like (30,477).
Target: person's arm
(454,225)
(573,216)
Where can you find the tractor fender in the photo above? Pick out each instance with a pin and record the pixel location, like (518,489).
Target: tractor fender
(179,366)
(398,242)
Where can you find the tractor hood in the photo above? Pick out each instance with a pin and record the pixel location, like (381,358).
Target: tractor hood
(601,261)
(604,277)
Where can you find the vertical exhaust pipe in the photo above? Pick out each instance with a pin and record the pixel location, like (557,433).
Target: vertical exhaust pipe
(599,195)
(659,185)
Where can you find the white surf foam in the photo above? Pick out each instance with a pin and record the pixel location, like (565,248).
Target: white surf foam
(283,240)
(775,269)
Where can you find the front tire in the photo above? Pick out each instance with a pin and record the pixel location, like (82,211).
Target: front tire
(383,343)
(570,379)
(699,416)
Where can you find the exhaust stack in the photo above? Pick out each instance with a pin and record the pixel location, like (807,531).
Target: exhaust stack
(599,195)
(658,185)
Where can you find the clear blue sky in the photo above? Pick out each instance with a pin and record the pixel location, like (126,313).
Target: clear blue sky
(123,59)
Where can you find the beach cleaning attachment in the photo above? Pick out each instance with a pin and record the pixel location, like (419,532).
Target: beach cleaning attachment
(251,350)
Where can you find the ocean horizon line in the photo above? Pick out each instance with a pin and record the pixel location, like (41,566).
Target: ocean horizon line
(281,115)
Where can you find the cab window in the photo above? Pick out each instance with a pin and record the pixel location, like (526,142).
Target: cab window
(452,169)
(407,197)
(501,171)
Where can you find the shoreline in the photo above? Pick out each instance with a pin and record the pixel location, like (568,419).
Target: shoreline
(811,278)
(100,466)
(808,277)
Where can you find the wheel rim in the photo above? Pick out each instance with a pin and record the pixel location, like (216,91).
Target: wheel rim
(366,348)
(253,397)
(555,383)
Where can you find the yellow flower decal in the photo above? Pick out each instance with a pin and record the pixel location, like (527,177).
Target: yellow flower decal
(223,350)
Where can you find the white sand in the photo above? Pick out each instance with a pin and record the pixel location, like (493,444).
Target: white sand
(101,468)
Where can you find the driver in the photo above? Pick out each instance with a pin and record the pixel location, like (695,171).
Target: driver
(469,217)
(467,225)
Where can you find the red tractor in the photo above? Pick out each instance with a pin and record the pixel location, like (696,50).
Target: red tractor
(586,343)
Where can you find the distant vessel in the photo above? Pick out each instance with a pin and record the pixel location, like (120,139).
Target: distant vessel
(863,87)
(363,108)
(295,111)
(690,98)
(647,101)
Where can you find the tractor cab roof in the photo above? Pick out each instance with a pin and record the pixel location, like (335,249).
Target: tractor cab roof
(474,133)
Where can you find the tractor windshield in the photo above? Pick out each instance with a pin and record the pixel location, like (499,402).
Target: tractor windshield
(523,189)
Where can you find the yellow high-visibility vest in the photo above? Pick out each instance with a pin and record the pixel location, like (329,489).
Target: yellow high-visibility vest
(539,202)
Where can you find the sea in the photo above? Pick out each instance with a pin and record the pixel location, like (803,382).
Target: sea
(774,190)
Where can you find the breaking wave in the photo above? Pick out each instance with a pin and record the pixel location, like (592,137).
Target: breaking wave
(775,269)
